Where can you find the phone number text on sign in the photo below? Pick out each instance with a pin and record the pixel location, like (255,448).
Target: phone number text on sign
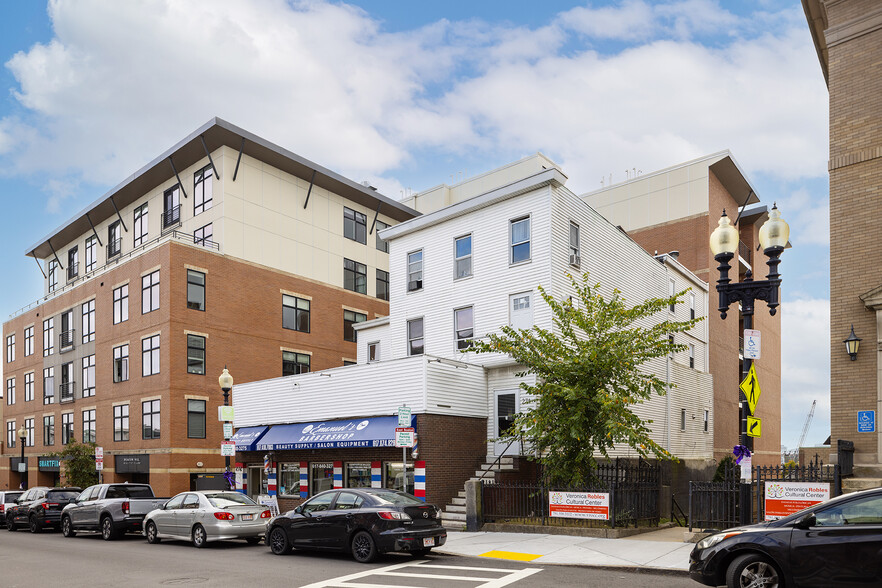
(579,505)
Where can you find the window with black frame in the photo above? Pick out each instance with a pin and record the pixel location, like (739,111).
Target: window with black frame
(354,225)
(295,313)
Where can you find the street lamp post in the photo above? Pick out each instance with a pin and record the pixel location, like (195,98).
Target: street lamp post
(773,237)
(23,437)
(226,384)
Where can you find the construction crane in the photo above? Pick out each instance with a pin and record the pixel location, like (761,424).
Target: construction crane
(805,427)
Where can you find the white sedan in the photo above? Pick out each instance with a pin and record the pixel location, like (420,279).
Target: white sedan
(202,516)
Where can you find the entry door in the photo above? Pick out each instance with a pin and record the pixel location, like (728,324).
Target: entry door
(256,482)
(506,407)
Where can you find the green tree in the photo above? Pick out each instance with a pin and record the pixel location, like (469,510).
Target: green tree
(589,371)
(78,463)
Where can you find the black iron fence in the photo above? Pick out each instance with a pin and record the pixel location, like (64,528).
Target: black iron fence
(633,493)
(715,504)
(815,471)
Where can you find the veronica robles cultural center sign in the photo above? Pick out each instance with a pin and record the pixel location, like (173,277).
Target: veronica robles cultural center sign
(579,505)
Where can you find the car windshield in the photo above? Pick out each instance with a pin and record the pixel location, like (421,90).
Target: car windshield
(398,498)
(62,494)
(229,499)
(127,491)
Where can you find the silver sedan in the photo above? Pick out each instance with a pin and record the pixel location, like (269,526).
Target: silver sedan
(202,516)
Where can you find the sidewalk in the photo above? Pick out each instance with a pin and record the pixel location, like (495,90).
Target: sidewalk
(662,550)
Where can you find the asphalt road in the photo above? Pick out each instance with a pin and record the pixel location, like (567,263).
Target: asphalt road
(48,559)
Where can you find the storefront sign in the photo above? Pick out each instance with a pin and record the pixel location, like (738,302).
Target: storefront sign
(246,438)
(786,498)
(579,505)
(48,464)
(15,464)
(132,464)
(375,432)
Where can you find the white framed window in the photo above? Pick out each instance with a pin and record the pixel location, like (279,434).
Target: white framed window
(691,305)
(682,419)
(692,355)
(575,246)
(464,326)
(374,351)
(520,310)
(672,288)
(415,341)
(462,251)
(415,271)
(519,235)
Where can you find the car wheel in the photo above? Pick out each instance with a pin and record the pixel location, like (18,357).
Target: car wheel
(364,549)
(278,541)
(252,540)
(418,553)
(107,531)
(10,524)
(752,570)
(199,536)
(152,533)
(67,527)
(34,524)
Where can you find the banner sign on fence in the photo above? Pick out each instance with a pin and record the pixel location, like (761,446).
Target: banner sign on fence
(579,505)
(785,498)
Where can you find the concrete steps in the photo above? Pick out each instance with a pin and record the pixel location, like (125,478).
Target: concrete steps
(454,515)
(866,476)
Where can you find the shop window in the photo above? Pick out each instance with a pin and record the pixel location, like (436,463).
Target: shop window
(289,479)
(393,475)
(321,477)
(358,475)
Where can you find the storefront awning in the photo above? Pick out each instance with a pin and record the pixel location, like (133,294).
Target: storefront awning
(247,437)
(374,432)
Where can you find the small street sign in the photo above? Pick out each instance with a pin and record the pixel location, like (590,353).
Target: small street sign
(228,430)
(225,413)
(754,426)
(751,344)
(99,464)
(404,416)
(404,436)
(228,448)
(751,388)
(866,421)
(99,453)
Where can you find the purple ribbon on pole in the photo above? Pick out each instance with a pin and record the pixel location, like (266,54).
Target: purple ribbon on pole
(230,477)
(740,452)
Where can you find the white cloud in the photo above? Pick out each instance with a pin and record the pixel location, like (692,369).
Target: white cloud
(808,217)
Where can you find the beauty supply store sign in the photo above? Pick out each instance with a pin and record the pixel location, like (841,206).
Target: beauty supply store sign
(786,498)
(579,505)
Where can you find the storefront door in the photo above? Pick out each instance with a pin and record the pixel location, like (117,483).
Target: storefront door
(506,407)
(257,484)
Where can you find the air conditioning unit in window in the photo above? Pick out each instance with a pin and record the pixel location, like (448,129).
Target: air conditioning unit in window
(575,259)
(414,285)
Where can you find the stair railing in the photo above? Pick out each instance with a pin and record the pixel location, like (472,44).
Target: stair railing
(503,454)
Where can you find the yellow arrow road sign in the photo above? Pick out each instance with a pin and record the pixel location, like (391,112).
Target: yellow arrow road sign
(754,426)
(751,388)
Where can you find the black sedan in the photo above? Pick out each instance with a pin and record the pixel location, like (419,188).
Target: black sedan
(363,521)
(835,543)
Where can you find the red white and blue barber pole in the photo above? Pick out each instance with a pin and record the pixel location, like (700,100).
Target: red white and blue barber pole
(338,474)
(419,480)
(304,479)
(241,478)
(376,474)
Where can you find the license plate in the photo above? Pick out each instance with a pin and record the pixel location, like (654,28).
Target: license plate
(428,542)
(247,517)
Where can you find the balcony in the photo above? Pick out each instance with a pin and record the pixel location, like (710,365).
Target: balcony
(73,270)
(171,217)
(114,248)
(66,340)
(66,392)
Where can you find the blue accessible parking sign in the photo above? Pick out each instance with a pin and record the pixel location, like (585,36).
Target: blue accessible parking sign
(866,421)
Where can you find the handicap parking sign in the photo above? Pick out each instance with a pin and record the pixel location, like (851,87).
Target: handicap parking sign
(866,421)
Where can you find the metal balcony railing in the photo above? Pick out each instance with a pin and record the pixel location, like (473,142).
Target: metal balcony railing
(171,217)
(745,252)
(73,270)
(66,339)
(114,248)
(66,391)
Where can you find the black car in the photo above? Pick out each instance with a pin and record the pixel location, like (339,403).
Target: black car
(835,543)
(363,521)
(40,508)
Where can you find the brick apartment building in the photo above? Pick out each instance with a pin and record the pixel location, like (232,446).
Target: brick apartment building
(226,250)
(676,209)
(848,38)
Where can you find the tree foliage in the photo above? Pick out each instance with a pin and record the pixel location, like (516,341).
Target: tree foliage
(590,371)
(78,463)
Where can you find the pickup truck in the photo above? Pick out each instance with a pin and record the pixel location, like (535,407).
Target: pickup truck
(111,509)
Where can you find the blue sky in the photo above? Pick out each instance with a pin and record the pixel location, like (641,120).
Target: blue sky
(410,95)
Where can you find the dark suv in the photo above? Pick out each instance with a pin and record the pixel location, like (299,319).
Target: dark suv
(40,508)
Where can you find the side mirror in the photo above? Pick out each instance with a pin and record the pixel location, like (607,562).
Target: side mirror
(299,510)
(806,522)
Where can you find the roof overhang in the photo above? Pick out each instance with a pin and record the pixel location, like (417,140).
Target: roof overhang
(727,170)
(816,16)
(216,133)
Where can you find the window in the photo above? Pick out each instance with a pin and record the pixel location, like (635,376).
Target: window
(381,245)
(195,290)
(862,511)
(29,341)
(88,365)
(150,419)
(53,275)
(67,329)
(10,434)
(520,310)
(671,290)
(73,263)
(91,253)
(48,336)
(349,319)
(121,304)
(171,215)
(121,363)
(150,292)
(141,227)
(354,276)
(374,351)
(295,313)
(203,235)
(48,385)
(195,419)
(89,426)
(121,422)
(575,249)
(202,188)
(29,427)
(354,225)
(67,428)
(520,240)
(321,477)
(347,501)
(464,324)
(691,305)
(462,253)
(395,475)
(67,389)
(682,419)
(10,391)
(49,429)
(89,321)
(195,354)
(382,285)
(691,355)
(294,363)
(415,337)
(358,474)
(415,271)
(114,240)
(29,387)
(150,356)
(706,420)
(10,348)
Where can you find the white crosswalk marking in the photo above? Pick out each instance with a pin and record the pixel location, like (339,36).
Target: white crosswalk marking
(400,571)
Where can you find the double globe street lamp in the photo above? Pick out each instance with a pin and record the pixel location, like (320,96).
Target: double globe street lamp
(226,384)
(22,468)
